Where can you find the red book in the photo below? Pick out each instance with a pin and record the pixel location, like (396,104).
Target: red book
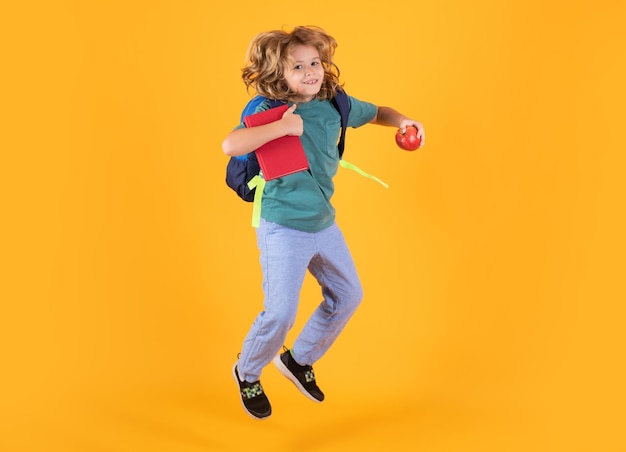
(282,156)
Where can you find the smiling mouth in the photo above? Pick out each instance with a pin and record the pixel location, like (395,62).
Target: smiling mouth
(310,82)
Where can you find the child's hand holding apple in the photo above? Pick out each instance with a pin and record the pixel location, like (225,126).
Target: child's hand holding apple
(409,141)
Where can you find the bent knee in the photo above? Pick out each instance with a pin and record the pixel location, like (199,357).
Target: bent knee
(283,320)
(354,296)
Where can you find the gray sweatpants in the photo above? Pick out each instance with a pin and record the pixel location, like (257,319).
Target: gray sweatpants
(285,255)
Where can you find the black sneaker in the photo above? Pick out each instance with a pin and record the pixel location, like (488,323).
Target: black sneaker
(302,376)
(253,399)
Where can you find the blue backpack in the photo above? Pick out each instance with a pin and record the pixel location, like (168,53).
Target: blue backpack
(242,169)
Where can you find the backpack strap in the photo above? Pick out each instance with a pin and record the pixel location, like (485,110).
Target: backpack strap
(351,166)
(342,104)
(257,183)
(251,106)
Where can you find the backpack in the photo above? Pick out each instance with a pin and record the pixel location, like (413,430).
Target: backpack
(243,172)
(241,169)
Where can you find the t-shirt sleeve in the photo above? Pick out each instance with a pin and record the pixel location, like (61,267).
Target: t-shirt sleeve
(360,112)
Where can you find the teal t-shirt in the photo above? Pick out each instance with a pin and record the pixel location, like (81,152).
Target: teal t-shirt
(302,200)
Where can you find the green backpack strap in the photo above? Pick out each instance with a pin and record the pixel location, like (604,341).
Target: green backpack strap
(353,167)
(257,182)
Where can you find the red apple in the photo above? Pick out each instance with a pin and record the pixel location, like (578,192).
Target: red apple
(409,141)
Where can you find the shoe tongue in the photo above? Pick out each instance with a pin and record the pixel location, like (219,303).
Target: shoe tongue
(296,363)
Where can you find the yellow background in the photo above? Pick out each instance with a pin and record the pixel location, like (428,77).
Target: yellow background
(493,265)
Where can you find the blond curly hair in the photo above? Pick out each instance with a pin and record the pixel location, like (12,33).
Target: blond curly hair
(269,55)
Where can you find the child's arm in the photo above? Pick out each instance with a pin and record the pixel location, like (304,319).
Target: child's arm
(245,140)
(386,116)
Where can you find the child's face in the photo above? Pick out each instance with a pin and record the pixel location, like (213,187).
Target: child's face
(304,74)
